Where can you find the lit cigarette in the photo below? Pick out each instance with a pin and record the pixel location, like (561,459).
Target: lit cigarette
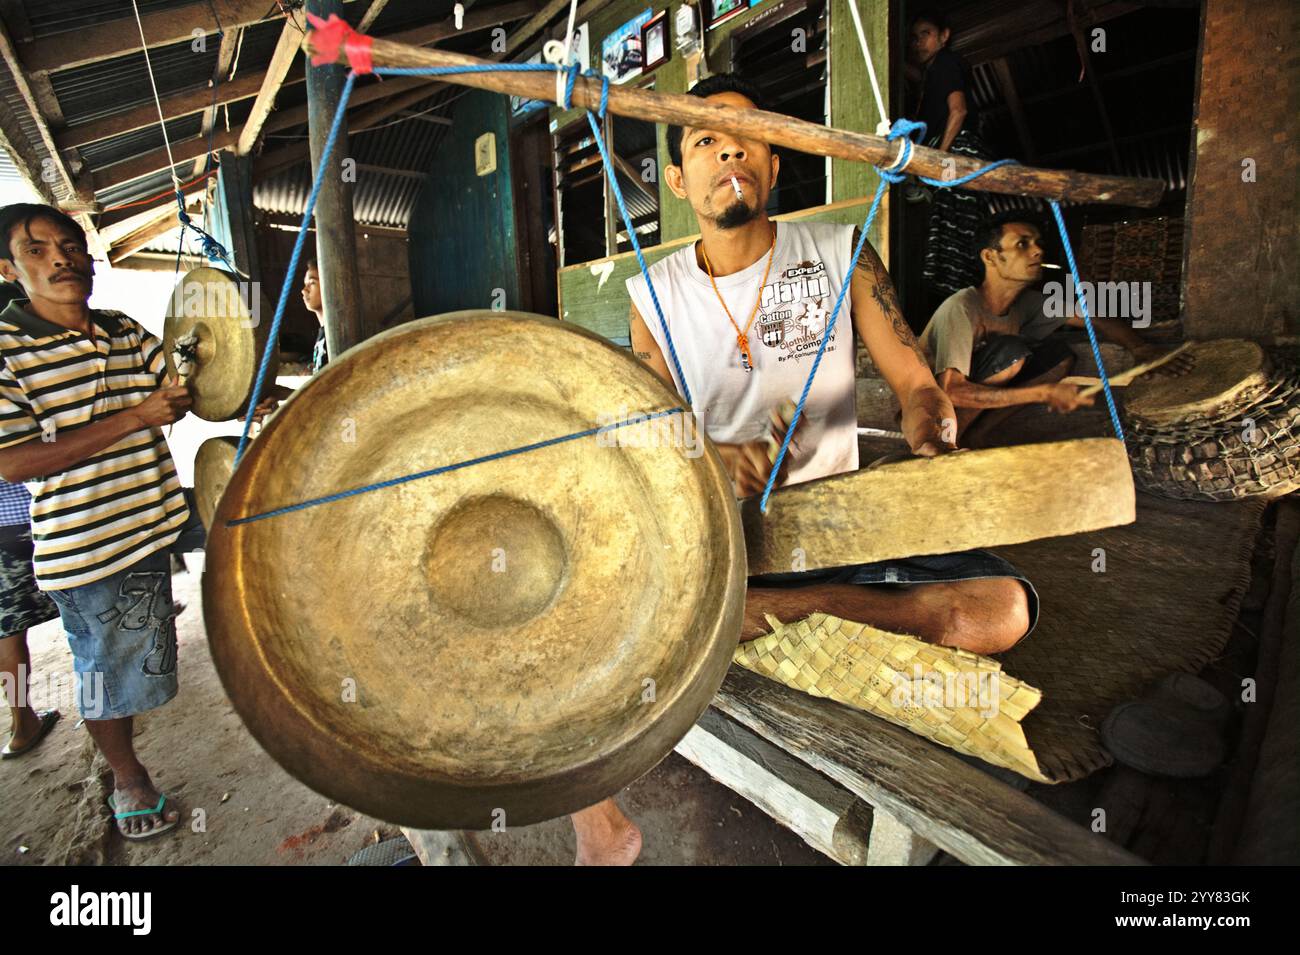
(736,185)
(1049,265)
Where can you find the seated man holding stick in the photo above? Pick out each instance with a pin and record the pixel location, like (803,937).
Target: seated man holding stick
(988,344)
(747,306)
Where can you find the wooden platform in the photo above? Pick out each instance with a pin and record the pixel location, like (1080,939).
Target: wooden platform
(919,795)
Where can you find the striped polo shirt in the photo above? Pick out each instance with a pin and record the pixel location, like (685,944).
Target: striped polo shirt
(120,505)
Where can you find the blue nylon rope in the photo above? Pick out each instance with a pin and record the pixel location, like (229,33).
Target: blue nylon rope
(274,335)
(901,129)
(1087,320)
(496,456)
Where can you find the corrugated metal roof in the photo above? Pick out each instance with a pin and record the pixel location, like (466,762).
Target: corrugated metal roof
(98,90)
(48,19)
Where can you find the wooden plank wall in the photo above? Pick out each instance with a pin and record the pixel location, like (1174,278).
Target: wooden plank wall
(593,294)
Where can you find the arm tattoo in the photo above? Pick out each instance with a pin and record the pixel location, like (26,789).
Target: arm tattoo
(886,299)
(643,355)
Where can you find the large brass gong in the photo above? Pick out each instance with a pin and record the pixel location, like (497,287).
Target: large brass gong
(231,321)
(509,641)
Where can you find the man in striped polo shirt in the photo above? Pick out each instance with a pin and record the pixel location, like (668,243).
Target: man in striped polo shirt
(82,405)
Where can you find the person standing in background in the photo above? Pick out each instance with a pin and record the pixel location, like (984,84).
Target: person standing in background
(951,125)
(22,605)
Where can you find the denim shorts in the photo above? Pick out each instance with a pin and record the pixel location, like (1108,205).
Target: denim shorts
(999,352)
(906,571)
(122,631)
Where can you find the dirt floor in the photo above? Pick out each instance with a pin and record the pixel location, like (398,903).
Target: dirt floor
(240,807)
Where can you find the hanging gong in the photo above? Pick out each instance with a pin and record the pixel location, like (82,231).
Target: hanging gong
(509,641)
(213,465)
(222,325)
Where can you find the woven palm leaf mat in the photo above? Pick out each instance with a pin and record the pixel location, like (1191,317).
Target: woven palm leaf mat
(1166,602)
(954,697)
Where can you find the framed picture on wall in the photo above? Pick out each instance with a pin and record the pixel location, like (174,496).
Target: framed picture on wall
(620,52)
(718,11)
(654,41)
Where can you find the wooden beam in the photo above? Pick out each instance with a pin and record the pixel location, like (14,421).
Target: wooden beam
(225,57)
(120,36)
(535,23)
(174,106)
(242,87)
(42,117)
(800,799)
(137,240)
(269,163)
(387,171)
(785,131)
(121,172)
(117,224)
(372,13)
(286,51)
(292,223)
(928,789)
(1002,72)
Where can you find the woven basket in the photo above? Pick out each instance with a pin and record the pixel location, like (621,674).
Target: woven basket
(954,697)
(1210,458)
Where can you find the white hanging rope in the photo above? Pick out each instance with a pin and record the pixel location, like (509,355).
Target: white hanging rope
(162,122)
(553,52)
(882,127)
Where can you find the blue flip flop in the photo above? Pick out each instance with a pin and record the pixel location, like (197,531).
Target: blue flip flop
(156,811)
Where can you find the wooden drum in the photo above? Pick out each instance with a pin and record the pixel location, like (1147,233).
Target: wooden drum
(1226,430)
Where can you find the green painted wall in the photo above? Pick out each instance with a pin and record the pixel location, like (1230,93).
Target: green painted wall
(595,297)
(603,306)
(462,230)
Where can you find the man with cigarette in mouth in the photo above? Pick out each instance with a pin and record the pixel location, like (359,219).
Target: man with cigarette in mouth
(988,344)
(747,307)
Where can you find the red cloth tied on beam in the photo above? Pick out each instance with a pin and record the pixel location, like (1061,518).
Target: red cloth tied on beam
(329,36)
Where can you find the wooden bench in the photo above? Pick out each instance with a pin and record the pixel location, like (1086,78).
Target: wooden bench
(864,791)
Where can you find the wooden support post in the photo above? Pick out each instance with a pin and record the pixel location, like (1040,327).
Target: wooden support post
(336,244)
(235,195)
(681,109)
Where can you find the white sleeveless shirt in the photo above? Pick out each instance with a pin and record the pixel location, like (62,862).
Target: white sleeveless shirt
(808,266)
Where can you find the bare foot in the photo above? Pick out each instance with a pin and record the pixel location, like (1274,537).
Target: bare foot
(619,846)
(26,724)
(140,794)
(605,835)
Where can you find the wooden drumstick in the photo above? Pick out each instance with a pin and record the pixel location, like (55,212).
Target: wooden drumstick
(1124,378)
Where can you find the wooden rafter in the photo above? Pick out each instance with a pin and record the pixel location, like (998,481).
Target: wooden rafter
(1007,84)
(372,13)
(161,224)
(286,51)
(119,223)
(225,57)
(156,159)
(250,84)
(174,106)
